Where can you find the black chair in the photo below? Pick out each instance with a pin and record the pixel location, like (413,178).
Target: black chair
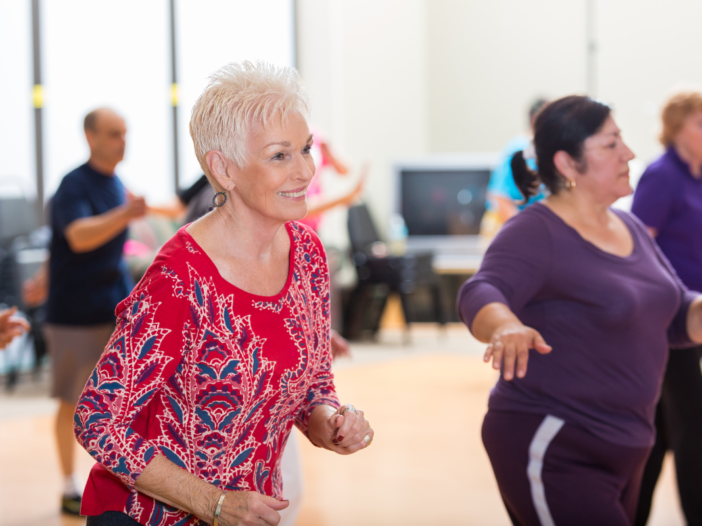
(380,275)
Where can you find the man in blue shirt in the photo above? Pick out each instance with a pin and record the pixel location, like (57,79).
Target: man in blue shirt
(87,274)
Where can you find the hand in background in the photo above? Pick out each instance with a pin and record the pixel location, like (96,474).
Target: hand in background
(356,194)
(339,346)
(35,290)
(11,326)
(135,205)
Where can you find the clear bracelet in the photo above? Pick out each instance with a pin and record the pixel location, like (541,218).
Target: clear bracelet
(215,522)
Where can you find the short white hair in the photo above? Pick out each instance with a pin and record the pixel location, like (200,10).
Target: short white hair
(238,96)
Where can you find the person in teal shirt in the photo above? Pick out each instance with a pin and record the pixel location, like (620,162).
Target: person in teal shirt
(504,198)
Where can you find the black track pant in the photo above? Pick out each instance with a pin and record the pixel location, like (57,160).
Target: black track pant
(679,428)
(112,518)
(551,473)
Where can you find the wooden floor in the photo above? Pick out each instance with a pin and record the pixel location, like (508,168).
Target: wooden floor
(426,466)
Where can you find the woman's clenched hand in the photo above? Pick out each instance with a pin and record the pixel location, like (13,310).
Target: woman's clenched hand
(344,431)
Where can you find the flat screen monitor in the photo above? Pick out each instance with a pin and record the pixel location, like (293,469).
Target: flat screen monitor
(443,196)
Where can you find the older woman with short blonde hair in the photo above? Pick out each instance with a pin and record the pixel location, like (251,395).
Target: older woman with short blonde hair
(668,200)
(224,344)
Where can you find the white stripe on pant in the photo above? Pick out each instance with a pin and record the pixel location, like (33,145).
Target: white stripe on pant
(547,431)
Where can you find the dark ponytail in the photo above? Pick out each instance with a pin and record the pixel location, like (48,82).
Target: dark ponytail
(527,180)
(561,125)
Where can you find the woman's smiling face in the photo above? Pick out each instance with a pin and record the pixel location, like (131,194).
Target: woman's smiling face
(279,169)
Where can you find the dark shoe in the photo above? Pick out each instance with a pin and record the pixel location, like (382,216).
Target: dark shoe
(70,504)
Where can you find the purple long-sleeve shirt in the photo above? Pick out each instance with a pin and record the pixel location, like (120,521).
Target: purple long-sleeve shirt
(609,320)
(669,199)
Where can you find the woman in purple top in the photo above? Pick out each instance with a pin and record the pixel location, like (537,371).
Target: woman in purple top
(582,293)
(668,200)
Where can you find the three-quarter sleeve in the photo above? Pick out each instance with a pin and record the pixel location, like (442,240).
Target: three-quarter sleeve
(514,269)
(321,390)
(677,330)
(145,349)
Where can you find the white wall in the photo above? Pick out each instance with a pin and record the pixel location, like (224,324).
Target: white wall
(488,60)
(646,49)
(108,54)
(365,64)
(213,33)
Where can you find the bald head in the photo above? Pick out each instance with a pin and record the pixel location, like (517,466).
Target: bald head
(91,119)
(106,133)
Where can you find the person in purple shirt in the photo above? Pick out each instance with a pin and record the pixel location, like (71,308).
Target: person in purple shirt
(668,200)
(582,294)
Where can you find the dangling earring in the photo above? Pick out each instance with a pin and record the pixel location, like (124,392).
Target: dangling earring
(570,184)
(214,201)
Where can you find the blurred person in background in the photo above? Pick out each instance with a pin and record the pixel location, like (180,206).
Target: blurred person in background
(582,293)
(11,326)
(668,200)
(179,207)
(324,159)
(225,343)
(503,197)
(90,213)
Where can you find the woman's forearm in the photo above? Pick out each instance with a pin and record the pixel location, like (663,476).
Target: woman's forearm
(165,481)
(320,208)
(490,318)
(694,320)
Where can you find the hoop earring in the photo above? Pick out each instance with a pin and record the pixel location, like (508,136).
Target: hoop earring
(214,201)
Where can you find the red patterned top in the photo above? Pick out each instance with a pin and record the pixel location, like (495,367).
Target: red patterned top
(209,375)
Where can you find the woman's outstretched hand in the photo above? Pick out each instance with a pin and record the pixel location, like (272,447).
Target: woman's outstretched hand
(11,326)
(344,431)
(509,346)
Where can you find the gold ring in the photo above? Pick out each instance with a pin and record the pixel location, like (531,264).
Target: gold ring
(368,440)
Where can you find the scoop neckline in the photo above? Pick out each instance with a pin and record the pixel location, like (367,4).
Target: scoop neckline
(215,271)
(631,258)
